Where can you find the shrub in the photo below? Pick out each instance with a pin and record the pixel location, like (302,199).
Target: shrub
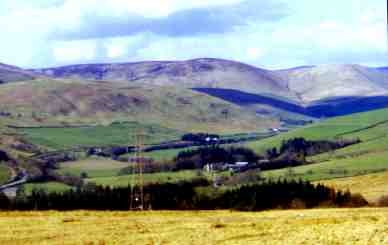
(383,201)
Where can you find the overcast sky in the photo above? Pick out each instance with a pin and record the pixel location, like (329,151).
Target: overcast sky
(266,33)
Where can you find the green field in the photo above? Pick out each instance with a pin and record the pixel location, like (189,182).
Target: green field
(374,140)
(339,127)
(148,178)
(94,168)
(114,134)
(370,156)
(162,155)
(337,168)
(48,186)
(367,157)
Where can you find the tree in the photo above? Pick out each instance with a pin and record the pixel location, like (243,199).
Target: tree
(84,175)
(4,201)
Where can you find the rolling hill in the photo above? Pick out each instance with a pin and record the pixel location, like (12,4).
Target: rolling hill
(14,74)
(364,158)
(315,83)
(188,74)
(303,85)
(194,95)
(312,91)
(48,102)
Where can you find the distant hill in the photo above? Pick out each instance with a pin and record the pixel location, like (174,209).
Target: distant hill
(14,74)
(332,107)
(383,69)
(302,85)
(213,73)
(268,96)
(327,81)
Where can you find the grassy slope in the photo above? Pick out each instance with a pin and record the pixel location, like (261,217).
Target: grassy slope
(327,129)
(323,226)
(58,101)
(369,156)
(336,168)
(115,134)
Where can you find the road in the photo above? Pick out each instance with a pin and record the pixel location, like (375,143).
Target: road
(10,188)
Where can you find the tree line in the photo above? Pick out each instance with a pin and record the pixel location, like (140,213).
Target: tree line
(305,147)
(184,196)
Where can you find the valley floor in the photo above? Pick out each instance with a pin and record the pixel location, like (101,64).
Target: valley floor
(321,226)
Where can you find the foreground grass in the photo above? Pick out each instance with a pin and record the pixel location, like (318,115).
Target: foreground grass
(324,226)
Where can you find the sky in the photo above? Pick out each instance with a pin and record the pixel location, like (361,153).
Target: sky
(271,34)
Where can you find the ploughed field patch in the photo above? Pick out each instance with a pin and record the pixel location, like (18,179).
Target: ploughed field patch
(92,168)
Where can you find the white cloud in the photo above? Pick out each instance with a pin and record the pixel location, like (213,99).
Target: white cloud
(331,31)
(146,8)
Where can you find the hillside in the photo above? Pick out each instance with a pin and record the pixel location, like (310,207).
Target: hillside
(303,85)
(48,102)
(271,106)
(328,81)
(188,74)
(309,91)
(367,126)
(14,74)
(367,157)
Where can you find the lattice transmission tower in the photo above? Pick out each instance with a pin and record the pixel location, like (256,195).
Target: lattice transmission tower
(137,179)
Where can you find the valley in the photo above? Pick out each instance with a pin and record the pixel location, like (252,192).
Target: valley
(67,111)
(193,122)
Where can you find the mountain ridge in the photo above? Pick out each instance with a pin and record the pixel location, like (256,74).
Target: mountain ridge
(301,84)
(9,73)
(311,91)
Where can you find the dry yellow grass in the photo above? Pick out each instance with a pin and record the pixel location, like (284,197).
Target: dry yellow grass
(323,226)
(371,186)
